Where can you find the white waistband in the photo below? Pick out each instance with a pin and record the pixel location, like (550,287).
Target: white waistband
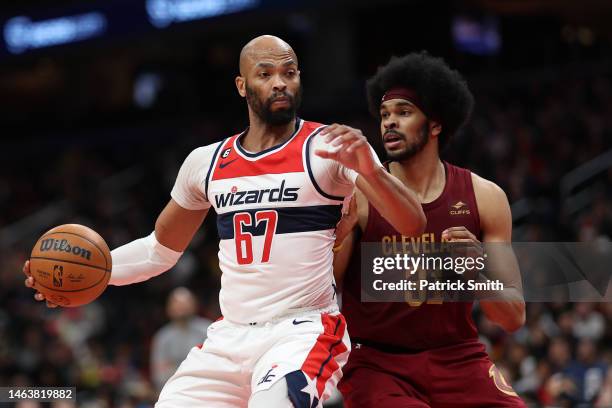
(330,308)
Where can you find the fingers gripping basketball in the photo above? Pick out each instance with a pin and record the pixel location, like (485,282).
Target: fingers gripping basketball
(71,265)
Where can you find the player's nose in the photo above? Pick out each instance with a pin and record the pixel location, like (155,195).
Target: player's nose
(279,85)
(389,122)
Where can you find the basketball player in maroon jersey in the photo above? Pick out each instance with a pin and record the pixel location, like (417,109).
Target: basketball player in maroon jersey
(424,354)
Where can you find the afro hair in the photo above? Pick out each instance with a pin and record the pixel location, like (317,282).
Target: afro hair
(442,91)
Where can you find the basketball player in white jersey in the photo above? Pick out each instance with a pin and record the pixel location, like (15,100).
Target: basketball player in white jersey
(278,189)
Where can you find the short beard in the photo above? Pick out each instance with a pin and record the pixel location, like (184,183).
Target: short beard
(263,108)
(411,150)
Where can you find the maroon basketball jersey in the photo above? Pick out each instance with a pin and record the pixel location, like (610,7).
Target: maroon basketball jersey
(415,325)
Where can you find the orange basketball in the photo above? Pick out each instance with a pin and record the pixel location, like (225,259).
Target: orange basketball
(71,265)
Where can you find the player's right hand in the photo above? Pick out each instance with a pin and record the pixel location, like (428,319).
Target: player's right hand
(350,148)
(29,282)
(348,221)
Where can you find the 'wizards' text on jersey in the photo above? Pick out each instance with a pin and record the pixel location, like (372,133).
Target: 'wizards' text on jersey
(276,214)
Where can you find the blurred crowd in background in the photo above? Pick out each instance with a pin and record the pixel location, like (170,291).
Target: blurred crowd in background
(533,125)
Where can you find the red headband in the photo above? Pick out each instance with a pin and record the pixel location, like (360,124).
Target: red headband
(402,93)
(407,94)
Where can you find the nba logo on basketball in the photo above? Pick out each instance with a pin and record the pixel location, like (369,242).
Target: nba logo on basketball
(58,272)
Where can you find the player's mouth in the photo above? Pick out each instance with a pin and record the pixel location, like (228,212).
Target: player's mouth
(281,101)
(392,140)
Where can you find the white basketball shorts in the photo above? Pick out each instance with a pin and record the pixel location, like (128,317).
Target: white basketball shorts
(307,349)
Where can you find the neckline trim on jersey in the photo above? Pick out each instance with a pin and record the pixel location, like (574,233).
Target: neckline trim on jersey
(254,156)
(439,199)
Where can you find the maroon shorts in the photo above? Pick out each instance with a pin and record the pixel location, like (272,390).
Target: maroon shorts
(454,376)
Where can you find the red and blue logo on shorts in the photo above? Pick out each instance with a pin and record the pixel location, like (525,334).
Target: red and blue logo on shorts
(302,390)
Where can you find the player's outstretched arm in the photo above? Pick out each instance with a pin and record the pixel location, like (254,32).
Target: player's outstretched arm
(394,201)
(150,256)
(144,258)
(506,308)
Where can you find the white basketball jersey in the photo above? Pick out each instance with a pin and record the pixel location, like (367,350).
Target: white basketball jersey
(276,215)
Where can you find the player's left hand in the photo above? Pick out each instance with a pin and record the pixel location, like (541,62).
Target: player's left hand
(459,234)
(30,283)
(465,243)
(349,147)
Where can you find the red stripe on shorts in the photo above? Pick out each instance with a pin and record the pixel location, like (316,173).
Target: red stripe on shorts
(320,361)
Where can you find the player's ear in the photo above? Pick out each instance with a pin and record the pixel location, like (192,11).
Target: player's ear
(435,128)
(240,85)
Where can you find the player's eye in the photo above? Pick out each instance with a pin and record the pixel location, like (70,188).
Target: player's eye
(406,113)
(264,74)
(290,73)
(384,114)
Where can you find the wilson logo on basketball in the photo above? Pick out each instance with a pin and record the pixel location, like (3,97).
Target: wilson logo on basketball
(459,209)
(62,245)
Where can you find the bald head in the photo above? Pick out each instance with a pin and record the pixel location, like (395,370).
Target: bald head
(269,80)
(262,47)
